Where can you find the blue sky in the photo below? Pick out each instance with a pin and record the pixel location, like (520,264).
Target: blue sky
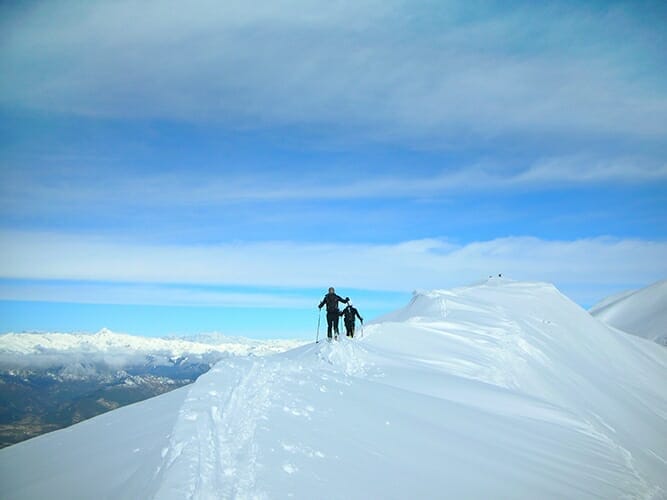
(171,169)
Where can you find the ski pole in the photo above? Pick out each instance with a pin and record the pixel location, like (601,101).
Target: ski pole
(319,318)
(337,327)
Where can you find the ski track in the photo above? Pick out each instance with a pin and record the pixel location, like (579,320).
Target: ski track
(213,451)
(221,461)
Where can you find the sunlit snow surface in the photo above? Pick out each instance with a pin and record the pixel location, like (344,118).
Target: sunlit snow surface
(640,312)
(502,390)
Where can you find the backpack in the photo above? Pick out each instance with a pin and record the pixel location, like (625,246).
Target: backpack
(331,301)
(349,313)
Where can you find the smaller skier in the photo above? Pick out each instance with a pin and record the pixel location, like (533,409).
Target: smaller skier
(332,299)
(349,314)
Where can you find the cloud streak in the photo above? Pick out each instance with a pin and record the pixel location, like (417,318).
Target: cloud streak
(27,191)
(582,265)
(146,294)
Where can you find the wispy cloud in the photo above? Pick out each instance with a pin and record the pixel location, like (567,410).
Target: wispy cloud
(147,294)
(581,264)
(34,190)
(582,170)
(395,70)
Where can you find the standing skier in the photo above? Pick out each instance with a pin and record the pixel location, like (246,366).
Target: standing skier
(333,313)
(349,314)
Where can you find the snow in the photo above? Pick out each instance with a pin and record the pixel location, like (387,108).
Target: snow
(500,390)
(639,312)
(106,340)
(105,346)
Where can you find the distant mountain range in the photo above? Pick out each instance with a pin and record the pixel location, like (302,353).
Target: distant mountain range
(52,380)
(639,312)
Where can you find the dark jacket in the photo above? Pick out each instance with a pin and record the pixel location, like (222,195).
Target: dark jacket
(332,300)
(349,313)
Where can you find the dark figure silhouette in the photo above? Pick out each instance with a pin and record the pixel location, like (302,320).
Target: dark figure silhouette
(350,313)
(331,300)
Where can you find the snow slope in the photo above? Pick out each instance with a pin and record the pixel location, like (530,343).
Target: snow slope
(502,390)
(640,312)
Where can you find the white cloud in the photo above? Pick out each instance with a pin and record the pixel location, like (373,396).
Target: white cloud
(588,268)
(386,69)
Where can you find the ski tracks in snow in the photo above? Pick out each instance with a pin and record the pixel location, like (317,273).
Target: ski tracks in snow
(212,452)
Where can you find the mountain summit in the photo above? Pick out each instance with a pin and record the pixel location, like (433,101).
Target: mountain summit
(500,390)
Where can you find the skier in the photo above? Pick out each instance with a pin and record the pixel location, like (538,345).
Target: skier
(331,299)
(349,314)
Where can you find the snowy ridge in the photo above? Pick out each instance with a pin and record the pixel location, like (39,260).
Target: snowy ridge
(502,390)
(106,341)
(640,312)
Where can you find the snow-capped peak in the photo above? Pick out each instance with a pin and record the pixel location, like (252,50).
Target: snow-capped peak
(116,350)
(106,340)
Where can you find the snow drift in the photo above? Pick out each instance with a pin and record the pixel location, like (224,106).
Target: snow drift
(501,390)
(640,312)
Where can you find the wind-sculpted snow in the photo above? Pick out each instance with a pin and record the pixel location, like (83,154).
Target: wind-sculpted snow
(502,390)
(639,312)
